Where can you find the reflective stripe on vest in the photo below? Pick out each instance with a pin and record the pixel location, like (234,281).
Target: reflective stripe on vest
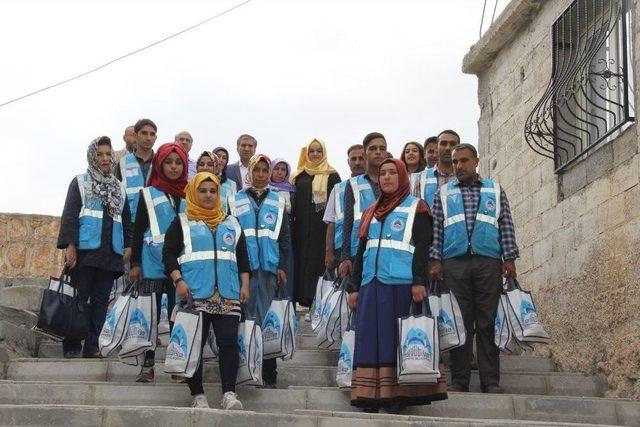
(358,188)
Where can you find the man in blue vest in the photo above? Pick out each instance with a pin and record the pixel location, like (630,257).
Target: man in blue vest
(134,168)
(435,177)
(334,213)
(361,193)
(474,245)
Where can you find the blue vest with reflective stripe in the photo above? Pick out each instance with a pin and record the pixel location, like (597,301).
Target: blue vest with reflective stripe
(161,214)
(133,180)
(227,191)
(339,213)
(363,197)
(389,252)
(207,263)
(485,239)
(428,184)
(261,228)
(91,213)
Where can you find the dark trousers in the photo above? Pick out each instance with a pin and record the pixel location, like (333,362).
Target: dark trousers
(94,286)
(476,282)
(150,356)
(225,327)
(270,371)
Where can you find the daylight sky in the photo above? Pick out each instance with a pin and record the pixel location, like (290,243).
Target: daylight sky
(283,71)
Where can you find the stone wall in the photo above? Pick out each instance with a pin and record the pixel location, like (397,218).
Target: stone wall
(579,233)
(28,246)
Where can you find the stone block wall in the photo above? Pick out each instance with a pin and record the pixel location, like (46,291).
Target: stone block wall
(579,232)
(28,246)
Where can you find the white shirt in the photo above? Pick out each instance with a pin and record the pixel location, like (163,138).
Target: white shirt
(330,211)
(243,173)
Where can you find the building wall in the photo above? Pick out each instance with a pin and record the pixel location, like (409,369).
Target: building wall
(28,246)
(579,233)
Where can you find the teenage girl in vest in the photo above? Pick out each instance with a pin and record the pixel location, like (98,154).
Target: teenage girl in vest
(391,266)
(95,232)
(228,186)
(198,257)
(159,204)
(279,183)
(265,223)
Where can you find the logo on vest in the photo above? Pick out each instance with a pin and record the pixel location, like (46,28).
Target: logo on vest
(178,344)
(490,205)
(228,238)
(270,218)
(416,346)
(397,224)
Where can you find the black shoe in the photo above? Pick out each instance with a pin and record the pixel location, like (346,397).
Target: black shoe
(270,384)
(457,388)
(371,410)
(494,389)
(72,354)
(92,356)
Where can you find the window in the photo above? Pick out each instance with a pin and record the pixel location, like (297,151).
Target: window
(590,98)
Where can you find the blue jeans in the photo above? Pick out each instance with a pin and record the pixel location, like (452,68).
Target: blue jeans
(94,286)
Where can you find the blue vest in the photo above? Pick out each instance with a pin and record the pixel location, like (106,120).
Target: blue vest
(161,214)
(227,191)
(91,213)
(485,239)
(339,213)
(428,185)
(133,180)
(207,263)
(261,227)
(389,252)
(363,197)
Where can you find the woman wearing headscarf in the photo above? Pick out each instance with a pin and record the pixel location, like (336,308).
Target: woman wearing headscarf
(196,257)
(265,223)
(160,203)
(314,180)
(95,232)
(207,162)
(228,186)
(390,274)
(279,182)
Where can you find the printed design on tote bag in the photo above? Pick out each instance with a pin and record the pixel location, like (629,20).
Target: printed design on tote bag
(528,313)
(257,359)
(272,327)
(498,324)
(138,325)
(445,324)
(164,309)
(178,346)
(344,362)
(110,323)
(242,350)
(326,311)
(417,346)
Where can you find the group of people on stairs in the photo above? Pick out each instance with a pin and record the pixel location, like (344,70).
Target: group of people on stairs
(230,235)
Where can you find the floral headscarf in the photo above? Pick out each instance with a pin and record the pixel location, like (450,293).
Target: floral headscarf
(103,186)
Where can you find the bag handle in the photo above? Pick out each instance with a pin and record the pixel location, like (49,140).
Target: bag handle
(434,287)
(512,284)
(281,292)
(344,282)
(426,310)
(330,274)
(352,320)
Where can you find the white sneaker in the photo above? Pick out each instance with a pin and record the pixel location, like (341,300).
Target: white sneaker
(200,401)
(230,401)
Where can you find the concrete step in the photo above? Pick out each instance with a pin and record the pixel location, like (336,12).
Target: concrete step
(74,415)
(23,297)
(529,383)
(7,282)
(459,405)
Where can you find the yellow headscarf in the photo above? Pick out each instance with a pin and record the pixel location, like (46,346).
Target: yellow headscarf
(195,212)
(320,171)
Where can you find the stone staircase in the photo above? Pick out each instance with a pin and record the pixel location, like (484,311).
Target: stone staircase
(39,387)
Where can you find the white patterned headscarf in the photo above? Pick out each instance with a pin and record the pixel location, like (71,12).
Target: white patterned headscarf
(103,186)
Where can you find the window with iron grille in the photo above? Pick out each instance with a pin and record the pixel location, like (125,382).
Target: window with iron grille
(590,98)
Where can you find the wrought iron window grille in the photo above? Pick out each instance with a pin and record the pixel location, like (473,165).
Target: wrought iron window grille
(590,97)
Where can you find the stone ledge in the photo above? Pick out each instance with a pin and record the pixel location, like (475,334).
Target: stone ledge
(510,22)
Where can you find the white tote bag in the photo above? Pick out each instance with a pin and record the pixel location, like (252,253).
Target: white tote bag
(345,360)
(114,328)
(185,344)
(323,288)
(330,329)
(210,350)
(524,316)
(274,324)
(163,326)
(141,329)
(451,331)
(290,331)
(250,353)
(502,327)
(418,352)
